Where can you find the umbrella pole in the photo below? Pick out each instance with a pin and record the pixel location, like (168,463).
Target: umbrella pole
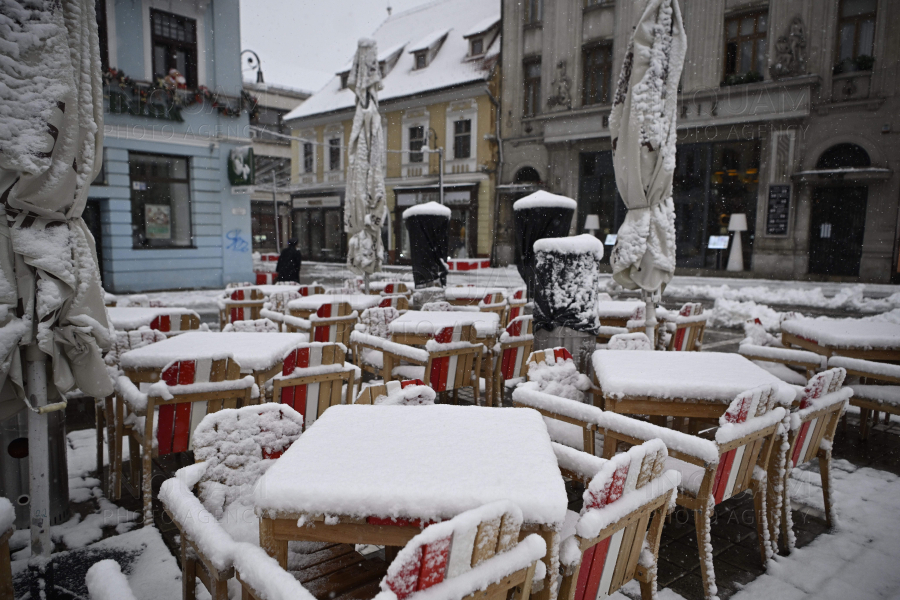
(650,298)
(39,468)
(366,282)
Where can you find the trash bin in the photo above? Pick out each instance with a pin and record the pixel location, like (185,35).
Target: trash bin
(537,216)
(14,475)
(567,277)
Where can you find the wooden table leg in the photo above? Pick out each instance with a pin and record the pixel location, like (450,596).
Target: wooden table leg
(551,561)
(277,549)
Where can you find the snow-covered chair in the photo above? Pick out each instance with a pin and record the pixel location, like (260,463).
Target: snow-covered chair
(553,371)
(208,500)
(496,303)
(617,534)
(766,351)
(313,378)
(810,436)
(713,468)
(513,349)
(394,288)
(630,341)
(275,308)
(258,326)
(162,421)
(175,324)
(448,362)
(518,301)
(240,304)
(686,328)
(104,581)
(437,306)
(475,555)
(331,322)
(7,529)
(412,392)
(238,284)
(397,301)
(375,322)
(872,398)
(309,290)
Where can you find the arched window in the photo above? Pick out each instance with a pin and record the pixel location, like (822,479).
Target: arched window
(527,175)
(844,155)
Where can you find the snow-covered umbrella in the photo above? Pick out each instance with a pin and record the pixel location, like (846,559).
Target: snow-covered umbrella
(642,126)
(51,301)
(365,206)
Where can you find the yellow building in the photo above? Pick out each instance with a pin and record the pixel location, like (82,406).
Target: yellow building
(440,91)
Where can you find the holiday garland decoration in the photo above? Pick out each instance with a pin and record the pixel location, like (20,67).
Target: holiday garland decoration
(165,98)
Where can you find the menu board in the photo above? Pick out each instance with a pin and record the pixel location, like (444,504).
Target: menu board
(778,210)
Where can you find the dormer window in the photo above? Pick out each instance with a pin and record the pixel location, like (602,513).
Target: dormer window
(476,46)
(482,36)
(344,78)
(421,59)
(427,48)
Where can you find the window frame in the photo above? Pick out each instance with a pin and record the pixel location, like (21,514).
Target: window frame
(415,156)
(192,50)
(309,158)
(531,97)
(755,37)
(533,13)
(334,150)
(420,59)
(458,138)
(857,20)
(146,245)
(479,39)
(588,50)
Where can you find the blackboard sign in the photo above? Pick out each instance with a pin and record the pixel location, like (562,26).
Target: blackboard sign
(778,210)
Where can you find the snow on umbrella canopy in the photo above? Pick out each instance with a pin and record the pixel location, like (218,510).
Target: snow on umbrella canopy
(366,208)
(51,99)
(642,125)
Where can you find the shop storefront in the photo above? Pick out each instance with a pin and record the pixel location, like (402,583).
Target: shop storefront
(463,203)
(318,225)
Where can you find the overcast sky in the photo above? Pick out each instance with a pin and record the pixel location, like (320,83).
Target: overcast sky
(303,43)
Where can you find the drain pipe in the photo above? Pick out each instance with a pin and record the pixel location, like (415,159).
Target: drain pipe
(498,171)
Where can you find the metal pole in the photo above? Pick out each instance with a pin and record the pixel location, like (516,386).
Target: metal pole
(39,466)
(441,173)
(650,298)
(277,224)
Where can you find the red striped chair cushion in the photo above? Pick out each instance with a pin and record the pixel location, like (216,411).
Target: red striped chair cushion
(177,422)
(562,353)
(821,384)
(164,323)
(519,294)
(512,362)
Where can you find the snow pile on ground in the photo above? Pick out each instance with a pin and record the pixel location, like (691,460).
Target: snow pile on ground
(734,313)
(848,297)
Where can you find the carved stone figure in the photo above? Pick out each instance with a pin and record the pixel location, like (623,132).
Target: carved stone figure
(561,87)
(790,52)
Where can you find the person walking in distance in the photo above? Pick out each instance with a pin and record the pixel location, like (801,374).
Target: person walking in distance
(288,267)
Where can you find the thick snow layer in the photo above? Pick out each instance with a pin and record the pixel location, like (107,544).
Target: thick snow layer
(428,323)
(429,208)
(788,355)
(618,309)
(576,244)
(416,354)
(359,302)
(265,575)
(867,366)
(541,198)
(7,515)
(577,461)
(697,375)
(630,341)
(105,581)
(845,333)
(483,25)
(128,318)
(465,292)
(430,463)
(252,351)
(448,68)
(558,377)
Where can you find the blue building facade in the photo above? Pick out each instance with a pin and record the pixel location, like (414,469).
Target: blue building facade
(164,210)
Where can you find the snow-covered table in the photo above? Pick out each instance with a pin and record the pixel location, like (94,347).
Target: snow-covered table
(854,338)
(364,474)
(470,294)
(674,384)
(616,313)
(258,354)
(135,317)
(307,305)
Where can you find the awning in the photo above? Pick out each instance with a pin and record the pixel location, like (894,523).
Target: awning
(845,174)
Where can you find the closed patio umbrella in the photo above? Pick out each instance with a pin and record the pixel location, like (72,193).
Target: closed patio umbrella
(365,207)
(51,301)
(642,127)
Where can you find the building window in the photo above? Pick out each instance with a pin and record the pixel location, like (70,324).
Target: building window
(421,59)
(102,35)
(532,102)
(745,44)
(477,46)
(416,141)
(160,201)
(589,3)
(334,154)
(534,10)
(345,77)
(174,40)
(462,138)
(308,157)
(597,75)
(856,29)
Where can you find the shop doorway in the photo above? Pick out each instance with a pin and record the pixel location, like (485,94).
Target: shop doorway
(837,226)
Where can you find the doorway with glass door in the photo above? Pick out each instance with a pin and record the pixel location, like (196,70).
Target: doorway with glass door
(837,226)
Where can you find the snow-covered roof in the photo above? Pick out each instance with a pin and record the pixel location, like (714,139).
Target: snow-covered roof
(448,67)
(430,40)
(542,198)
(483,25)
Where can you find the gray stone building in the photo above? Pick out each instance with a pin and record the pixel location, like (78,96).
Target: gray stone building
(788,112)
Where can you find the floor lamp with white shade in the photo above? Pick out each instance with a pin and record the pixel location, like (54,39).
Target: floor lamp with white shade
(737,224)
